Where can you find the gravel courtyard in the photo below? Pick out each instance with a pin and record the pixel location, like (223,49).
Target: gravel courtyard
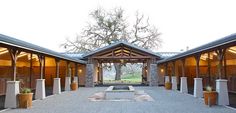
(164,102)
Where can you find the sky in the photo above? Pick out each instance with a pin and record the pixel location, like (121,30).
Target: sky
(182,23)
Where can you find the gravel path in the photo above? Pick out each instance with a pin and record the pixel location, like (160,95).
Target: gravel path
(164,102)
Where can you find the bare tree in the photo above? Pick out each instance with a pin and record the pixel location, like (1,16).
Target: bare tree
(111,26)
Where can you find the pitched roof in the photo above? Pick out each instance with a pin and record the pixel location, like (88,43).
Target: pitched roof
(118,44)
(217,43)
(74,55)
(28,46)
(167,54)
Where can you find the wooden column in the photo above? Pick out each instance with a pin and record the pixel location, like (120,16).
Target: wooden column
(68,69)
(225,67)
(98,73)
(197,59)
(183,67)
(101,74)
(57,67)
(166,72)
(173,68)
(76,69)
(14,53)
(220,56)
(209,68)
(31,68)
(42,65)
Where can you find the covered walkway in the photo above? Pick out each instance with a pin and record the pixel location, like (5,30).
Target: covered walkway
(44,71)
(212,64)
(164,102)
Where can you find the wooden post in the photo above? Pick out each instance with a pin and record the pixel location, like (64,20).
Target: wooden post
(101,73)
(57,67)
(42,65)
(31,68)
(98,72)
(14,53)
(197,59)
(225,67)
(76,69)
(220,55)
(166,72)
(173,68)
(183,67)
(209,68)
(68,69)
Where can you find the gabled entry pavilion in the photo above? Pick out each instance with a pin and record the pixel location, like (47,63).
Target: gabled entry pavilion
(121,52)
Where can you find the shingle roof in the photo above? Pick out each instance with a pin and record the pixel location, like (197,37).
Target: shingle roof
(119,43)
(217,43)
(28,46)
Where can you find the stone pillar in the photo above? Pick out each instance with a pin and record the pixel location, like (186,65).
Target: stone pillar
(222,89)
(11,94)
(153,75)
(198,91)
(183,85)
(40,89)
(57,86)
(174,83)
(89,75)
(67,83)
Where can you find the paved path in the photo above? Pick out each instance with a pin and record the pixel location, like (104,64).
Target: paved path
(165,102)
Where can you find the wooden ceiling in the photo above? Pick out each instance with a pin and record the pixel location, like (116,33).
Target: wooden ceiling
(122,54)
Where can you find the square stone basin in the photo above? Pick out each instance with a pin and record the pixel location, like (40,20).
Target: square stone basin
(119,92)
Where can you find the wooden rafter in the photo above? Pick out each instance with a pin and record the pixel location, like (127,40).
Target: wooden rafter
(124,57)
(129,54)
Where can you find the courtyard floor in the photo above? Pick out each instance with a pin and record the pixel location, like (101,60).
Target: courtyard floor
(164,102)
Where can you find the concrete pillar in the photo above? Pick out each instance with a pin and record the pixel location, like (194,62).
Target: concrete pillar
(89,75)
(67,83)
(183,85)
(174,83)
(198,90)
(153,75)
(222,89)
(11,94)
(57,86)
(40,89)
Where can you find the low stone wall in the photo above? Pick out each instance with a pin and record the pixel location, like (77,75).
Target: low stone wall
(119,94)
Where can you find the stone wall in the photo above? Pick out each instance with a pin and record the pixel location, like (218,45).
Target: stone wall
(89,75)
(153,75)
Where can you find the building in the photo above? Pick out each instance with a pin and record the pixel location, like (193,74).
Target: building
(48,72)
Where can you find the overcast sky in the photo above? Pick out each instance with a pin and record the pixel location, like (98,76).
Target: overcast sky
(182,22)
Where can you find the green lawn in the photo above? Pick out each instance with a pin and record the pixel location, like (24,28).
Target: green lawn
(129,78)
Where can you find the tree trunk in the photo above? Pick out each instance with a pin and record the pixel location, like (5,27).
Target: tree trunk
(118,71)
